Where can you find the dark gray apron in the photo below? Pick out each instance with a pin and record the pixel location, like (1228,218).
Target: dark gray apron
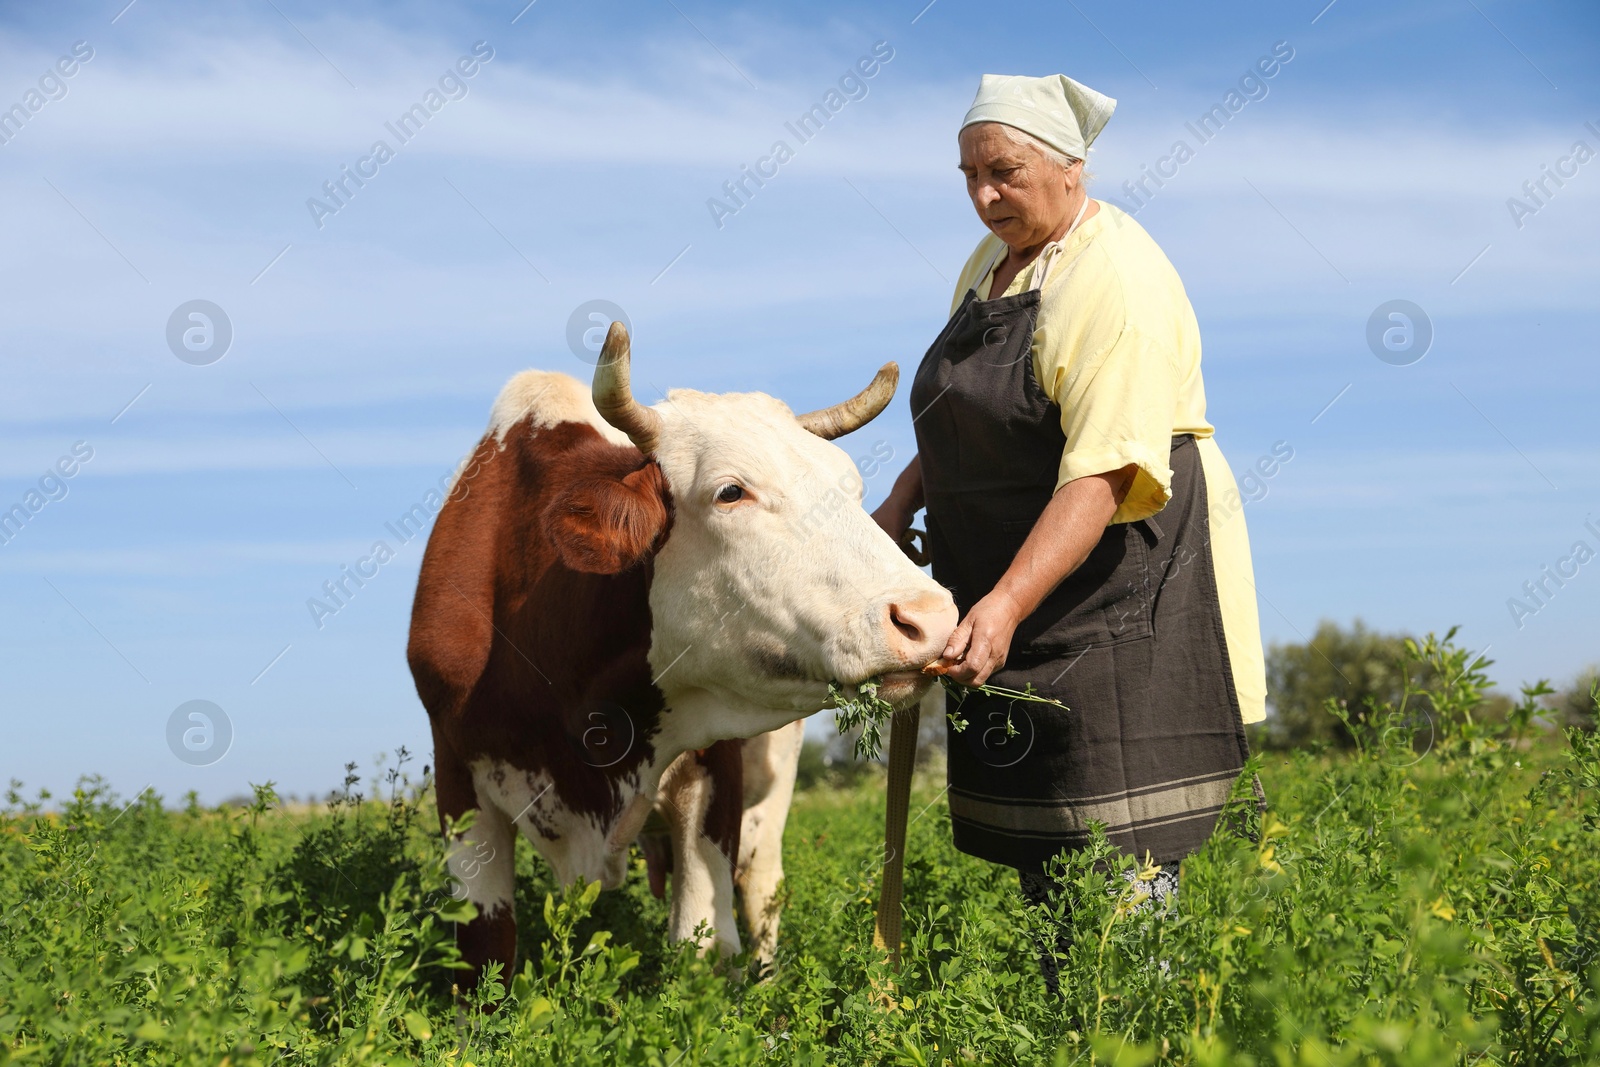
(1131,641)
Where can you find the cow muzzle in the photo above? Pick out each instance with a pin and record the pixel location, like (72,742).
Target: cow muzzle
(915,629)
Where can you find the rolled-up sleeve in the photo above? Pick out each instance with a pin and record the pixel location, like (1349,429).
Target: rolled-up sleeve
(1117,409)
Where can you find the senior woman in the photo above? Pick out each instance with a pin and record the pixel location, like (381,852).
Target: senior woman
(1081,512)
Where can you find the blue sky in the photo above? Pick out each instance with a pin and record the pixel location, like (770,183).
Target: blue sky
(577,163)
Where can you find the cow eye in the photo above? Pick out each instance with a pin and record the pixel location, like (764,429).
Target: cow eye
(731,493)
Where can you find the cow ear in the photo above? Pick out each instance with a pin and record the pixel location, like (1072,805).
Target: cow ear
(607,525)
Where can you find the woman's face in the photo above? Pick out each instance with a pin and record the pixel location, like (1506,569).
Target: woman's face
(1018,193)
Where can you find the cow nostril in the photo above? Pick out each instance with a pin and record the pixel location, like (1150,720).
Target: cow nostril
(905,622)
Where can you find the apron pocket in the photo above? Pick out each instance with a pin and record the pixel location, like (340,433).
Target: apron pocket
(1106,601)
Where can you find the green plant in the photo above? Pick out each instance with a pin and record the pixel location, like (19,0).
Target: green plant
(866,711)
(1420,898)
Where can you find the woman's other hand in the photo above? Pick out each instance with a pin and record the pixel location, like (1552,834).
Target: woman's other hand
(894,517)
(903,502)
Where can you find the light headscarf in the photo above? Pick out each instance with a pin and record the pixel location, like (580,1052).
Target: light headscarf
(1064,114)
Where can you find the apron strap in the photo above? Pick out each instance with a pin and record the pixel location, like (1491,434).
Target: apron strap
(994,261)
(1048,254)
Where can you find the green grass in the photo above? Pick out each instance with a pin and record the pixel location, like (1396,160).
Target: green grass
(1445,911)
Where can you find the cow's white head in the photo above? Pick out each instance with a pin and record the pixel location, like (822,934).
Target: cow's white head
(773,581)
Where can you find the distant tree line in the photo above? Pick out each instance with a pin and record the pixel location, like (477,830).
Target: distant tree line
(1364,669)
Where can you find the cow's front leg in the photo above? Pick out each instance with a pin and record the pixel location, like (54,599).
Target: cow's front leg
(482,863)
(771,762)
(705,842)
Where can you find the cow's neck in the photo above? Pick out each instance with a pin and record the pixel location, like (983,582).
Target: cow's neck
(697,718)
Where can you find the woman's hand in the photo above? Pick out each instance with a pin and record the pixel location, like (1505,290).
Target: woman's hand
(902,503)
(894,517)
(1062,538)
(979,645)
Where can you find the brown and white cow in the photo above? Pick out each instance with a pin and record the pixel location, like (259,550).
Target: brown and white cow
(615,594)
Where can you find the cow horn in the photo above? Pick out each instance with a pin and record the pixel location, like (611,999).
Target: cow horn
(828,423)
(614,397)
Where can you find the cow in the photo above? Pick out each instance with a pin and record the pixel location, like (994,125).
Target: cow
(625,609)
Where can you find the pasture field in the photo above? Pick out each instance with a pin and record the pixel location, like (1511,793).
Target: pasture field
(1390,907)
